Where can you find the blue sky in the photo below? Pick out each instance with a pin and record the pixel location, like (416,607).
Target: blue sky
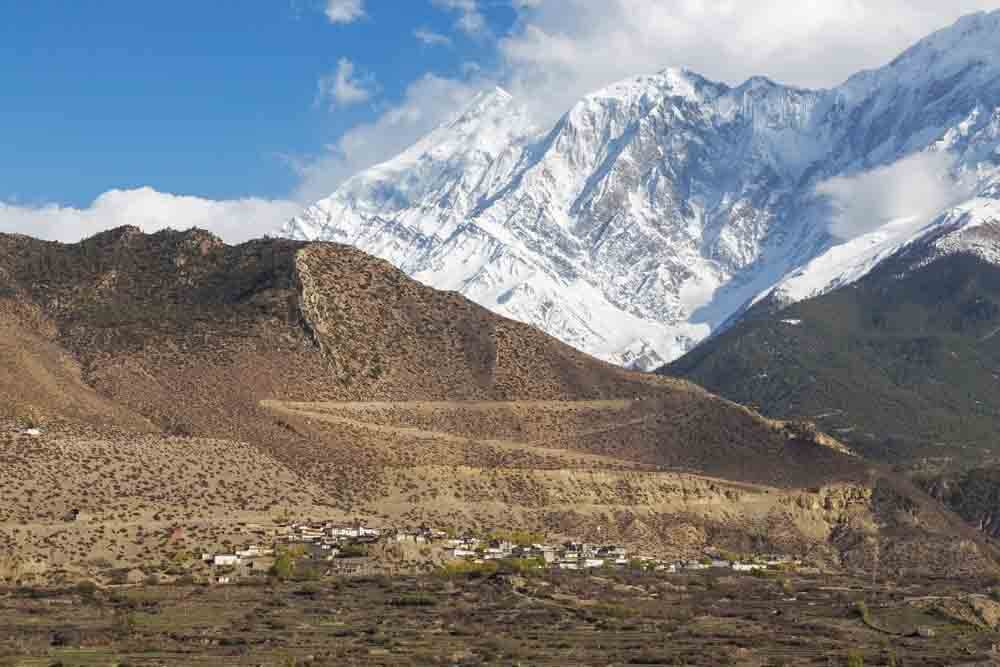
(205,98)
(233,114)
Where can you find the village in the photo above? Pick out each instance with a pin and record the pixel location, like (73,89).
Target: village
(330,548)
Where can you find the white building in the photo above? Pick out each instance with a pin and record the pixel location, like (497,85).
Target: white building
(255,551)
(747,567)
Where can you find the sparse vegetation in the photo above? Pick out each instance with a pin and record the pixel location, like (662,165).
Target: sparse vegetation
(467,569)
(560,618)
(29,417)
(414,600)
(520,565)
(87,590)
(284,567)
(353,551)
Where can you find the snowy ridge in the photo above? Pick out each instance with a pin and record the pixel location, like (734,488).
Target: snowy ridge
(972,228)
(661,206)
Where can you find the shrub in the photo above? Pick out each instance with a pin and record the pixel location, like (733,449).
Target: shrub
(461,568)
(124,625)
(283,567)
(414,600)
(520,565)
(309,590)
(86,590)
(29,417)
(611,610)
(307,572)
(353,551)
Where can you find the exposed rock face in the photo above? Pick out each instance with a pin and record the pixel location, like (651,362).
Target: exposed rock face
(974,495)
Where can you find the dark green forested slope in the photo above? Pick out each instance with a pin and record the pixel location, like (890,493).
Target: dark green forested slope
(903,365)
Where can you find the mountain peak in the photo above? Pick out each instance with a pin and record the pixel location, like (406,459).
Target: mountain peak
(970,40)
(490,101)
(661,205)
(119,234)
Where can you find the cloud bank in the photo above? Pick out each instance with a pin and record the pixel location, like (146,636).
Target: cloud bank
(563,49)
(234,220)
(916,188)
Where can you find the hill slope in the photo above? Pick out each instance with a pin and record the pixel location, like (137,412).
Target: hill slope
(276,344)
(150,318)
(902,365)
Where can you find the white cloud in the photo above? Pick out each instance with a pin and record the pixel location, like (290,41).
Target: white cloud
(431,38)
(470,20)
(343,88)
(559,50)
(915,188)
(562,49)
(233,220)
(344,11)
(428,102)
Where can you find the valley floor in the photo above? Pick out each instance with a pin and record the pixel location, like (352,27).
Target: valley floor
(538,619)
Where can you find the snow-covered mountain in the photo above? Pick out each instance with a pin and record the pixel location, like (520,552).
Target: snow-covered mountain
(659,207)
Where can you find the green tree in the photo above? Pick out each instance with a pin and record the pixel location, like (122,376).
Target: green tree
(283,567)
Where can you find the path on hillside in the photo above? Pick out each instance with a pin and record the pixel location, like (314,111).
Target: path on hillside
(319,412)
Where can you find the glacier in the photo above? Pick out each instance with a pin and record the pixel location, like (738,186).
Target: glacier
(659,208)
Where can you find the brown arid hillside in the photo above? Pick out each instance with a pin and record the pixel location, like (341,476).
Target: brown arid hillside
(366,394)
(40,378)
